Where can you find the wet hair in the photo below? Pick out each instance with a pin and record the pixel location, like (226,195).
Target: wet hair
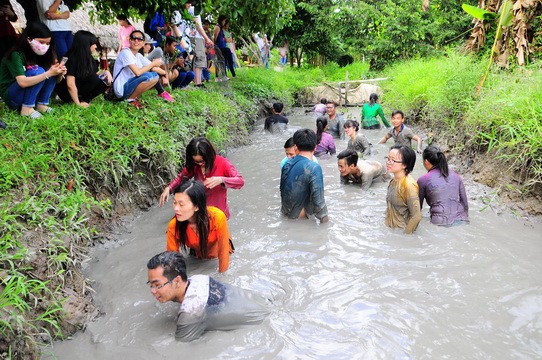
(80,53)
(350,156)
(321,123)
(373,98)
(278,107)
(196,192)
(436,158)
(203,147)
(289,143)
(170,40)
(335,104)
(35,30)
(351,123)
(395,112)
(305,140)
(172,262)
(408,155)
(323,101)
(123,17)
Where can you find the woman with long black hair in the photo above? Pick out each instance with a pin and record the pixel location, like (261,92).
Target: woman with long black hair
(82,82)
(197,228)
(325,144)
(28,72)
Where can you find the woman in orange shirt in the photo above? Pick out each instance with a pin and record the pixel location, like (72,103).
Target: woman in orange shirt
(199,228)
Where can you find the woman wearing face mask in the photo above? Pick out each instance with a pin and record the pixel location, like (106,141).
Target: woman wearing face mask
(29,71)
(82,82)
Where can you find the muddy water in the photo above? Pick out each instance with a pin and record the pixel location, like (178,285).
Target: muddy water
(349,289)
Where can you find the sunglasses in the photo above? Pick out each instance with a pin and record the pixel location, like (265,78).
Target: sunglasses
(135,38)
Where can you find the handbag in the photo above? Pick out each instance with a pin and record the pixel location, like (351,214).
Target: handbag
(109,94)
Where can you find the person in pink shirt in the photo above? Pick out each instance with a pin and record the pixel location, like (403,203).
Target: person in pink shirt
(125,30)
(214,171)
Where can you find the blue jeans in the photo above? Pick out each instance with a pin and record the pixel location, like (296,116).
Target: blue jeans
(206,74)
(283,61)
(183,80)
(28,97)
(63,42)
(132,84)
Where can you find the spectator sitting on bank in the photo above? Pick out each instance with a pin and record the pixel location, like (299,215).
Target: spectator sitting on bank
(133,74)
(335,121)
(362,172)
(125,30)
(175,66)
(277,118)
(302,181)
(82,82)
(206,304)
(326,144)
(291,150)
(197,228)
(443,189)
(356,141)
(400,133)
(149,50)
(369,113)
(29,71)
(319,109)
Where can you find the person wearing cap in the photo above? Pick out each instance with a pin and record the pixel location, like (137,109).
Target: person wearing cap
(206,304)
(150,51)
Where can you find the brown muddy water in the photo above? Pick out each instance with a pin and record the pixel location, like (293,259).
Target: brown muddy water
(349,289)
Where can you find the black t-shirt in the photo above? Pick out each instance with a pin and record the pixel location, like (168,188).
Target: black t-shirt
(275,119)
(84,85)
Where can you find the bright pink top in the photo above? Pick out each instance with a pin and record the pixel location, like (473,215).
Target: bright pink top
(216,196)
(124,35)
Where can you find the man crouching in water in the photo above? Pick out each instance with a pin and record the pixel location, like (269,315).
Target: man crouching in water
(206,304)
(362,172)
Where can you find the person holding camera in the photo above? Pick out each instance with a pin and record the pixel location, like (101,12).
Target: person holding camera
(178,76)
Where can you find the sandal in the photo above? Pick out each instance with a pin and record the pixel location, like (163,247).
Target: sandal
(34,115)
(49,110)
(135,103)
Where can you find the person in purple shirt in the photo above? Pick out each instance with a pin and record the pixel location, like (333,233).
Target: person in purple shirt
(443,189)
(326,144)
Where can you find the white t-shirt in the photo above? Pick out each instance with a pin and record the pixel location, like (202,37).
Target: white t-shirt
(53,25)
(197,21)
(126,57)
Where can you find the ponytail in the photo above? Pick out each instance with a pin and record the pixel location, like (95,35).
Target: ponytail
(436,158)
(321,124)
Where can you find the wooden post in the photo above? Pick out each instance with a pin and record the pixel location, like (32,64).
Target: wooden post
(346,89)
(339,86)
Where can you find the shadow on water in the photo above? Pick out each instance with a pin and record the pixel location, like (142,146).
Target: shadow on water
(349,289)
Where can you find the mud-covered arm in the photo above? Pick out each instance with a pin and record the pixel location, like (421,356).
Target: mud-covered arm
(367,180)
(317,194)
(189,327)
(413,203)
(463,196)
(365,145)
(421,189)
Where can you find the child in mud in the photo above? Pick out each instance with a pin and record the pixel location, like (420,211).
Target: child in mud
(362,172)
(291,151)
(206,304)
(302,181)
(400,133)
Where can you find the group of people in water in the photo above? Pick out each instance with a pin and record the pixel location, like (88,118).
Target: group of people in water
(199,227)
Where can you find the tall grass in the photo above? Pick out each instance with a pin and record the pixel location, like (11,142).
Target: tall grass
(505,119)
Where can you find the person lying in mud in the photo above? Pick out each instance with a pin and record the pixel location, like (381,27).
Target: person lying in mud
(362,172)
(400,133)
(198,229)
(302,181)
(403,204)
(206,304)
(216,173)
(443,189)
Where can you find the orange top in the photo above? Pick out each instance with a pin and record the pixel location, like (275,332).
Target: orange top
(218,242)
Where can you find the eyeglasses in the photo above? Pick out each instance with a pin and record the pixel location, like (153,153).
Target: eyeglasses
(390,160)
(158,287)
(135,38)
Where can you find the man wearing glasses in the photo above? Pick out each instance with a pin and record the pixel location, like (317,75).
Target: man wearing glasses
(206,304)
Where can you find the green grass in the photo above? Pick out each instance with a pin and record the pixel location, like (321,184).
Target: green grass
(506,118)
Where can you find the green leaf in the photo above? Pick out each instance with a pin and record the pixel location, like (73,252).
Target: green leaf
(507,15)
(478,13)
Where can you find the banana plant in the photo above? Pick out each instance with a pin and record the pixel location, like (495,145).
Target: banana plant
(506,17)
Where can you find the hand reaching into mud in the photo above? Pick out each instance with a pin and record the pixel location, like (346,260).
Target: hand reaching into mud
(164,197)
(213,181)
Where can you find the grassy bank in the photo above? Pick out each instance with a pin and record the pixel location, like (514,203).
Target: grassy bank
(503,121)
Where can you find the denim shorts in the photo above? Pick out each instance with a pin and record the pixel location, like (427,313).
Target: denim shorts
(130,85)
